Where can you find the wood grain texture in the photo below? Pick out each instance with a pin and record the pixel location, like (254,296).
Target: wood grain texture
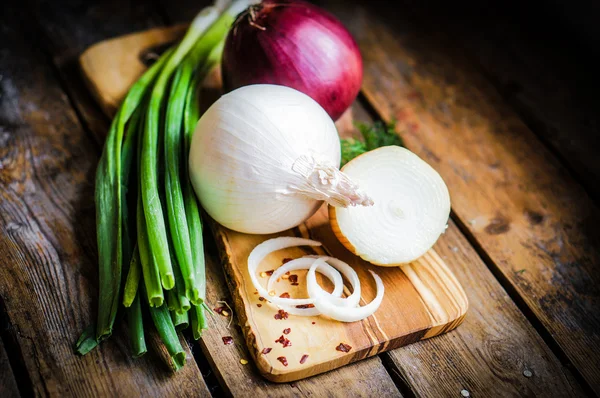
(431,301)
(8,384)
(69,27)
(361,379)
(493,348)
(114,73)
(552,88)
(47,241)
(519,204)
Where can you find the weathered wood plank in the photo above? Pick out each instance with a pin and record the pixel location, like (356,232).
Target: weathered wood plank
(552,87)
(70,27)
(493,350)
(47,241)
(8,384)
(516,200)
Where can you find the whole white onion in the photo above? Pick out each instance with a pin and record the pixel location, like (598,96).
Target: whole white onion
(264,157)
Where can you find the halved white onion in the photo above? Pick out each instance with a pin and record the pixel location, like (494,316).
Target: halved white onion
(410,211)
(339,313)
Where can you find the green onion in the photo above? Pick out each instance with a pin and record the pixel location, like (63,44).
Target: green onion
(178,225)
(198,320)
(109,207)
(181,321)
(153,211)
(168,334)
(133,278)
(87,341)
(136,328)
(172,300)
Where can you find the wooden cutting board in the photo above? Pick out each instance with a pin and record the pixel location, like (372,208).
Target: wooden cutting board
(422,299)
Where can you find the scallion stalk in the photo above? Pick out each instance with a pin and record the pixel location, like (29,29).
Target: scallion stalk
(109,207)
(153,211)
(168,334)
(181,321)
(136,327)
(133,278)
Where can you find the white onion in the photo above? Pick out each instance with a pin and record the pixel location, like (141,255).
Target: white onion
(304,263)
(265,248)
(330,304)
(339,313)
(264,157)
(350,274)
(411,209)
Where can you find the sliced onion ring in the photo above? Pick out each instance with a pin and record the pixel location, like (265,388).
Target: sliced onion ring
(304,263)
(322,267)
(346,270)
(267,247)
(339,313)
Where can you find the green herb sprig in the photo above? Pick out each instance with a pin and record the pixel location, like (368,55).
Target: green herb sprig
(374,136)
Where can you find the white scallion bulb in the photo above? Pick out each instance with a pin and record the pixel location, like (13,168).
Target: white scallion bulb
(411,209)
(264,157)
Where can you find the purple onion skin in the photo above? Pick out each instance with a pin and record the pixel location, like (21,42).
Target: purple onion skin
(294,44)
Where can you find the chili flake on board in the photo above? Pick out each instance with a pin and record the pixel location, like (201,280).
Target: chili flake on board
(343,347)
(281,314)
(283,360)
(227,340)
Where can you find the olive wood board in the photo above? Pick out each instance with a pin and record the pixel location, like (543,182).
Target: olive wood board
(422,299)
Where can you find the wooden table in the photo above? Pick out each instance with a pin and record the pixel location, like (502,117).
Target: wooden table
(505,118)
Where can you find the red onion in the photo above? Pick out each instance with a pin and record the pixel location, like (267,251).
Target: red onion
(295,44)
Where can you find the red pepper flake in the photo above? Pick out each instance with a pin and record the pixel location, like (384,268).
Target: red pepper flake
(287,331)
(281,314)
(261,298)
(285,295)
(270,272)
(302,306)
(227,340)
(287,273)
(295,284)
(266,350)
(255,292)
(304,358)
(343,347)
(284,341)
(286,260)
(259,305)
(219,310)
(283,360)
(314,323)
(293,279)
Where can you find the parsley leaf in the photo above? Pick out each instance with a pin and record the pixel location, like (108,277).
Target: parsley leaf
(374,136)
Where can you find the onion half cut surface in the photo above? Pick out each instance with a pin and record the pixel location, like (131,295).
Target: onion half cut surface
(410,212)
